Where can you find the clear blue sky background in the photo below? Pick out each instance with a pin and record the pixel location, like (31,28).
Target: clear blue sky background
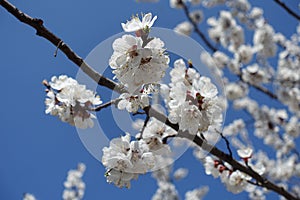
(37,150)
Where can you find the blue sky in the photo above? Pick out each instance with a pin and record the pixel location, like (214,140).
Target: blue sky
(37,150)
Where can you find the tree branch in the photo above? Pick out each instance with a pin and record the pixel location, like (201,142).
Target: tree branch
(42,31)
(287,9)
(101,80)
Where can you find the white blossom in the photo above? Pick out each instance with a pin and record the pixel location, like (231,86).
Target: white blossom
(256,13)
(245,153)
(236,182)
(181,173)
(135,24)
(220,59)
(244,54)
(235,91)
(184,28)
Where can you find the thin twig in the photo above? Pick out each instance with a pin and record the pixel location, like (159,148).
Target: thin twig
(286,8)
(226,141)
(56,50)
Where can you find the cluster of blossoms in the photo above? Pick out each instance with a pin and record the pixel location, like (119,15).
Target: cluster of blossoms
(192,100)
(70,101)
(138,60)
(125,159)
(272,125)
(235,181)
(74,186)
(226,31)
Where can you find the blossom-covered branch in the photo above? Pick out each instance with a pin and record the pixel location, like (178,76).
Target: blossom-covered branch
(215,49)
(263,182)
(193,105)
